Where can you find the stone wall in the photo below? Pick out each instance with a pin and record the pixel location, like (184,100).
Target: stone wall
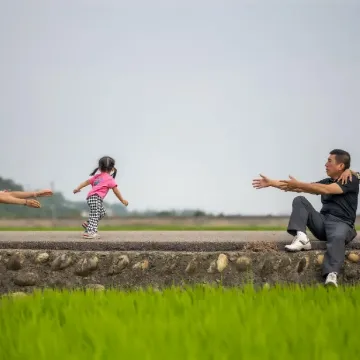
(26,270)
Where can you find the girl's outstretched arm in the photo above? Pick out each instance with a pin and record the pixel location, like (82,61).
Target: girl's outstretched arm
(82,185)
(118,195)
(6,198)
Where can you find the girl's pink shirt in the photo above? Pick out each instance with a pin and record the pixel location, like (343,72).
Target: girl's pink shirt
(101,183)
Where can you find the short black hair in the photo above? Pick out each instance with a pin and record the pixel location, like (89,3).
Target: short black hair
(106,163)
(342,157)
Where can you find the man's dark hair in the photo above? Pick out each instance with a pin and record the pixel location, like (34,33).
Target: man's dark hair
(342,157)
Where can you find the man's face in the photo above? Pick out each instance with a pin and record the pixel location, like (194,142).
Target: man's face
(332,167)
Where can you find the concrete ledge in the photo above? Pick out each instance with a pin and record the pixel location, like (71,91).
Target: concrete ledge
(39,260)
(191,241)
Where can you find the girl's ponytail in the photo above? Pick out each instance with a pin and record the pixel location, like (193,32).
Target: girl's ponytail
(94,172)
(114,173)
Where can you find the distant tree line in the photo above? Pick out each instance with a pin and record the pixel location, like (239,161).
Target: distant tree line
(59,207)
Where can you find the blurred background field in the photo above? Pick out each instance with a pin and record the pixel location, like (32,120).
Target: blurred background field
(58,212)
(154,223)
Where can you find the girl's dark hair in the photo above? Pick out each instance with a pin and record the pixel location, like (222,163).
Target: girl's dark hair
(106,164)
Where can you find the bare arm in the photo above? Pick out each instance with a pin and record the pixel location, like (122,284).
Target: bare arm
(264,182)
(276,184)
(22,194)
(295,190)
(119,196)
(29,194)
(6,198)
(82,185)
(319,189)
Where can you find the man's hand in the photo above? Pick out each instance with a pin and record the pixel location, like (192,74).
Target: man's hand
(289,185)
(125,202)
(261,182)
(76,191)
(345,177)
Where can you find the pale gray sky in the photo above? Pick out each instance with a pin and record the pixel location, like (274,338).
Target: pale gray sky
(192,98)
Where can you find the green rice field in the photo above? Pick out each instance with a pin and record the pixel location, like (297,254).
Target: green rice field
(188,324)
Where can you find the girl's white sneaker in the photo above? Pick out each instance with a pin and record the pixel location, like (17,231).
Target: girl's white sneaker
(90,236)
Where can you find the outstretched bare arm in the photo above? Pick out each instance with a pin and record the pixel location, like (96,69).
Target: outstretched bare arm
(264,182)
(29,194)
(311,188)
(6,198)
(82,185)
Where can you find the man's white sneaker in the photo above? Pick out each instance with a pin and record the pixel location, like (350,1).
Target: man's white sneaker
(299,243)
(331,279)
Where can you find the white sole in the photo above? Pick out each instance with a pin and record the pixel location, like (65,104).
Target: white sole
(91,237)
(331,285)
(297,250)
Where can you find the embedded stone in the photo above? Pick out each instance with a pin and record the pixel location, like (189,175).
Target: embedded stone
(212,268)
(61,262)
(15,262)
(353,257)
(191,267)
(141,265)
(42,258)
(119,264)
(268,267)
(320,259)
(302,264)
(243,263)
(284,262)
(25,279)
(86,266)
(222,262)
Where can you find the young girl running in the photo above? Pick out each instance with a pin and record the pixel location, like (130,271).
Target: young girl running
(101,183)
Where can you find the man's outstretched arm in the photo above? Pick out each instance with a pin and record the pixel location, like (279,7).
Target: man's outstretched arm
(264,182)
(311,188)
(278,184)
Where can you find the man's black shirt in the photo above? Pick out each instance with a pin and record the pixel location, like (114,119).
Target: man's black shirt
(343,206)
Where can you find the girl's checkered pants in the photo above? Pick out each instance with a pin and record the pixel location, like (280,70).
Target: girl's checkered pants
(97,212)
